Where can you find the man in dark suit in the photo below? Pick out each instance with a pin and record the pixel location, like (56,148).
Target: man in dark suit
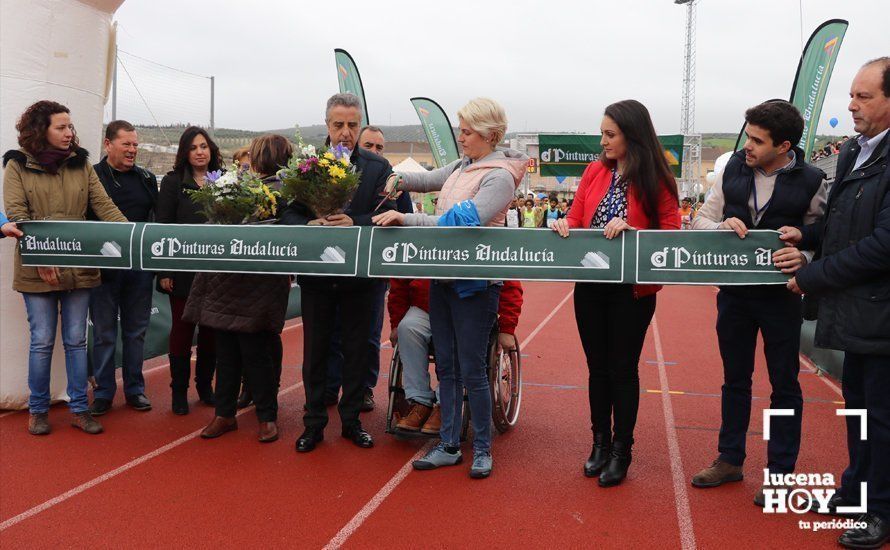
(851,279)
(370,138)
(354,297)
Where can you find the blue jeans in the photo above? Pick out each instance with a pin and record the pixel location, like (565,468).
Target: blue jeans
(43,318)
(128,293)
(461,329)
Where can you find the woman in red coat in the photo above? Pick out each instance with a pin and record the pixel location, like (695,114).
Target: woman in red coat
(629,187)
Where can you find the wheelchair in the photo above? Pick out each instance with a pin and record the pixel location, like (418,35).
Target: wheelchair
(505,385)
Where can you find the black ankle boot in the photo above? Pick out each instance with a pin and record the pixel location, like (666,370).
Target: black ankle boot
(180,367)
(599,455)
(615,470)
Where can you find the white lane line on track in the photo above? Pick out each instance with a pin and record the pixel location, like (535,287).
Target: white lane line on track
(15,520)
(684,514)
(156,368)
(376,500)
(357,520)
(809,363)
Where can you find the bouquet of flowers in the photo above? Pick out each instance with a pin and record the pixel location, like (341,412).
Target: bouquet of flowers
(324,182)
(236,197)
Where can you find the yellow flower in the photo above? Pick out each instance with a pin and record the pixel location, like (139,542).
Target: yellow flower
(329,155)
(324,162)
(337,172)
(344,161)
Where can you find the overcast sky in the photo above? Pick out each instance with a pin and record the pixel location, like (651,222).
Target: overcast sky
(553,64)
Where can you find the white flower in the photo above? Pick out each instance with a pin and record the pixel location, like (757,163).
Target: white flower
(227,180)
(308,151)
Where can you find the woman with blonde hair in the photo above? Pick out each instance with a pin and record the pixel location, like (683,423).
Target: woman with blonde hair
(462,313)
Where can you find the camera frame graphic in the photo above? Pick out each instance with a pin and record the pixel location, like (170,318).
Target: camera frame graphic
(768,414)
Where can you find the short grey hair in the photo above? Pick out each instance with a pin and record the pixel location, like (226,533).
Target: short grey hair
(342,100)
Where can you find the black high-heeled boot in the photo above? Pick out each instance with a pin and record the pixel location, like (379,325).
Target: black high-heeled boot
(599,455)
(615,470)
(180,368)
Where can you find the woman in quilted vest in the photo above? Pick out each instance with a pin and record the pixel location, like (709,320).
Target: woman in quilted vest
(630,187)
(462,316)
(246,312)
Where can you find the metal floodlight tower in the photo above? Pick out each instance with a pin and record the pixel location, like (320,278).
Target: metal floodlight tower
(691,168)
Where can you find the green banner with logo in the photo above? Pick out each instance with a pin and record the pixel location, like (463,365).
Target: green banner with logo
(94,244)
(563,155)
(664,257)
(693,257)
(813,73)
(249,248)
(350,80)
(438,130)
(495,253)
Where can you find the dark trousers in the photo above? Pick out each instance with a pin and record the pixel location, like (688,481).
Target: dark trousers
(866,385)
(181,335)
(335,357)
(776,313)
(277,351)
(126,294)
(612,325)
(250,353)
(320,306)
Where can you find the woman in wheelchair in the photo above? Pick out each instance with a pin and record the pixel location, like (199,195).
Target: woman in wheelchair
(410,328)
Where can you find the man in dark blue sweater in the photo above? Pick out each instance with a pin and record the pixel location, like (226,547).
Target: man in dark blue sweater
(124,293)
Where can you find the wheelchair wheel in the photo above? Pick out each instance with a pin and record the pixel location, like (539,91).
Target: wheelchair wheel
(505,381)
(397,403)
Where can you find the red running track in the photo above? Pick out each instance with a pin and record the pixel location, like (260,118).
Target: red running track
(150,481)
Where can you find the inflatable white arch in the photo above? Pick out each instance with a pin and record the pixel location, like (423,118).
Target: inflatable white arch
(49,49)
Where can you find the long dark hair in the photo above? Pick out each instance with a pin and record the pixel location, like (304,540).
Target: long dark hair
(34,123)
(645,168)
(181,165)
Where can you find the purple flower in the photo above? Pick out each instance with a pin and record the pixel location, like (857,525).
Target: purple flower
(211,177)
(340,151)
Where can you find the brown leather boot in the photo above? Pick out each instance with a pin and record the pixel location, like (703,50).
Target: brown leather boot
(86,422)
(433,423)
(38,424)
(717,474)
(415,418)
(218,426)
(268,432)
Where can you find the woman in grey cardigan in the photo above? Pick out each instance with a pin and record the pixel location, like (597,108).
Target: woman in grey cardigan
(462,318)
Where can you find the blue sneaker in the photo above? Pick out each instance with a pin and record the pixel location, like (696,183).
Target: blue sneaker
(437,457)
(481,465)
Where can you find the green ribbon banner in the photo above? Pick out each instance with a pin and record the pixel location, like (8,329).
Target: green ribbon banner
(659,257)
(569,154)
